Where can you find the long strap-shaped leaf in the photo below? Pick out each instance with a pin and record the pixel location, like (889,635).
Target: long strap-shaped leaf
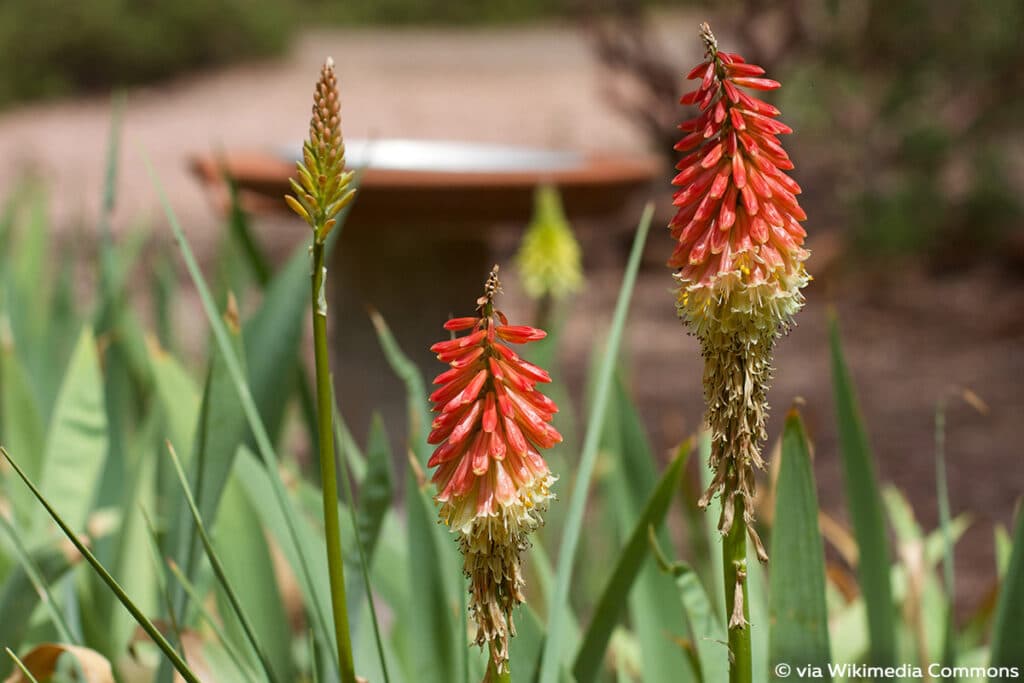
(798,613)
(1008,633)
(115,587)
(864,502)
(553,647)
(609,608)
(218,569)
(264,446)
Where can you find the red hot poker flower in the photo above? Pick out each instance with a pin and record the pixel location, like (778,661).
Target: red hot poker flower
(491,480)
(739,261)
(740,242)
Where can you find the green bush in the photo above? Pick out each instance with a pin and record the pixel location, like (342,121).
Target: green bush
(52,48)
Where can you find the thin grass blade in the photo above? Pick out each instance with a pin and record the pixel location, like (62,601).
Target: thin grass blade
(415,389)
(553,648)
(218,570)
(949,650)
(612,602)
(264,445)
(23,587)
(21,666)
(152,631)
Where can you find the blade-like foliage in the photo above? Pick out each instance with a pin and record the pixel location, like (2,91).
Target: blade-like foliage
(218,569)
(377,488)
(415,389)
(864,502)
(76,445)
(302,552)
(249,570)
(554,648)
(1008,632)
(949,650)
(22,425)
(21,590)
(434,657)
(798,613)
(143,621)
(612,602)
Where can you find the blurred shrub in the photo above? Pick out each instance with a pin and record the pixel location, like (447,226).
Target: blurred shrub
(909,115)
(52,47)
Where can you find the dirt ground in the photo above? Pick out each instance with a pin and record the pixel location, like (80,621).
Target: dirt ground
(911,337)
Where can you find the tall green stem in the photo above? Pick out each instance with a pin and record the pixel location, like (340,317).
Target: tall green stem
(328,468)
(734,570)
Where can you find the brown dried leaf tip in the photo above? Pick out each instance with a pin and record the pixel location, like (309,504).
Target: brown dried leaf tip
(322,189)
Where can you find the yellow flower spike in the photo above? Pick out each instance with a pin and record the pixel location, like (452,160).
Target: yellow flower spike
(549,258)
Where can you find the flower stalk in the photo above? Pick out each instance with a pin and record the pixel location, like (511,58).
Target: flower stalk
(320,193)
(739,262)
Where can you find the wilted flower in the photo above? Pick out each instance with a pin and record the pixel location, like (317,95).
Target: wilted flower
(549,257)
(491,481)
(739,257)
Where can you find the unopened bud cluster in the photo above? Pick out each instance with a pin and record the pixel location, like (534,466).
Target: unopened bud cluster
(322,189)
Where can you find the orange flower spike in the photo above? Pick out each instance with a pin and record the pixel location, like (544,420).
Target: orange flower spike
(739,259)
(492,483)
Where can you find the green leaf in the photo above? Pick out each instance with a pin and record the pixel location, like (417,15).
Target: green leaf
(612,602)
(221,426)
(249,570)
(1004,549)
(303,539)
(223,581)
(524,650)
(377,488)
(709,637)
(864,502)
(798,613)
(554,647)
(28,296)
(19,594)
(949,649)
(415,389)
(272,339)
(433,611)
(137,571)
(301,552)
(77,444)
(179,398)
(112,584)
(22,425)
(654,613)
(1008,632)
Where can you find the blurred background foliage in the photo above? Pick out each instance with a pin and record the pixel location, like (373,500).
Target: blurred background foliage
(910,114)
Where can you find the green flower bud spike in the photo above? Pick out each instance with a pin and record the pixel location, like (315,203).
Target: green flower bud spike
(322,189)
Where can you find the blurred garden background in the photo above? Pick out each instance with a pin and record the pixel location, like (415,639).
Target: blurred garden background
(908,117)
